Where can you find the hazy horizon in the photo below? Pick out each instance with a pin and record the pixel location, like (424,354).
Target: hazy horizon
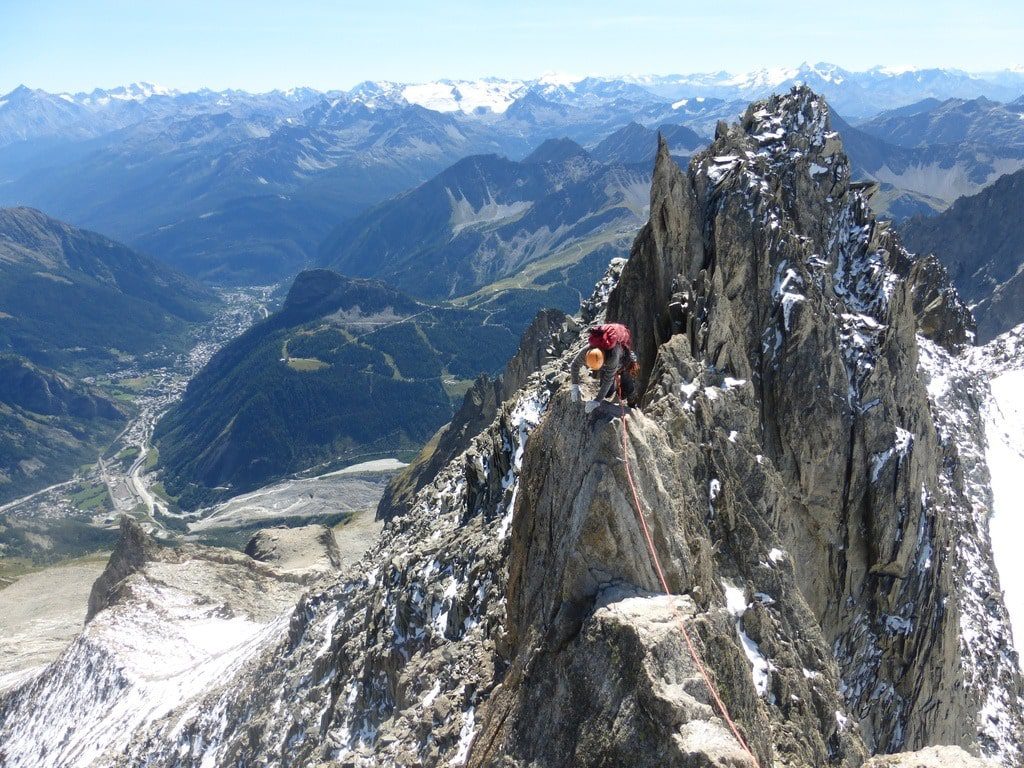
(562,76)
(259,46)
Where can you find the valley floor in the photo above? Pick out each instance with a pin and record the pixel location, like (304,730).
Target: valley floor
(345,499)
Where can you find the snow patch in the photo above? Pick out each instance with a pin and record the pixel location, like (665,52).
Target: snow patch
(465,737)
(464,215)
(1004,433)
(736,604)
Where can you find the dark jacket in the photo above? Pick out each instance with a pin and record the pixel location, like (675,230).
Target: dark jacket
(616,360)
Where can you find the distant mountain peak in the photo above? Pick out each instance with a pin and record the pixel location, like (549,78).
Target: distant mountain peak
(556,151)
(319,291)
(20,94)
(560,79)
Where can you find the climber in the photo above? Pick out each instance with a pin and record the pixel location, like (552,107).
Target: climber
(610,351)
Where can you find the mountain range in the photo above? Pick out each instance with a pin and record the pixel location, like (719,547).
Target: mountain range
(503,239)
(856,94)
(783,555)
(226,196)
(933,122)
(243,188)
(488,218)
(918,171)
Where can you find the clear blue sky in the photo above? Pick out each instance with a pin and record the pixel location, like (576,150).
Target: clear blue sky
(259,45)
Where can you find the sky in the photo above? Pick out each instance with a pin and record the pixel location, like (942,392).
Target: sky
(259,45)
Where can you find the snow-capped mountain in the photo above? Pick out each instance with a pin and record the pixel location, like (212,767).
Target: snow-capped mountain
(853,94)
(237,186)
(491,95)
(131,92)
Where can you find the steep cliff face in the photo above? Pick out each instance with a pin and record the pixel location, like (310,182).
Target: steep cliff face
(819,519)
(583,616)
(773,269)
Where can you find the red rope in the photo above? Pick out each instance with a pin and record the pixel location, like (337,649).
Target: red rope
(664,585)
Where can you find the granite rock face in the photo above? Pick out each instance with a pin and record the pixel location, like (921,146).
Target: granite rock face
(133,550)
(577,543)
(807,479)
(774,270)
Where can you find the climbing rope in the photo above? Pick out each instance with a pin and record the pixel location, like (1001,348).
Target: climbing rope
(694,654)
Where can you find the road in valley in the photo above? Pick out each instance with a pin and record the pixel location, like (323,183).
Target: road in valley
(129,488)
(124,465)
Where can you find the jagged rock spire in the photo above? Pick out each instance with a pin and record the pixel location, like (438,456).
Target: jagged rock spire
(133,550)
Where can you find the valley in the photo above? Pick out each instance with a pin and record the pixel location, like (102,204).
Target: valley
(80,514)
(132,455)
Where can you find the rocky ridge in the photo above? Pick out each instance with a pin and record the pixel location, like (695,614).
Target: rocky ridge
(479,407)
(813,514)
(777,273)
(163,625)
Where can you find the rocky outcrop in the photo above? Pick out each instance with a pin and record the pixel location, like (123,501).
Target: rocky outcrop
(776,273)
(816,522)
(133,550)
(624,691)
(534,350)
(298,555)
(310,547)
(478,409)
(941,315)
